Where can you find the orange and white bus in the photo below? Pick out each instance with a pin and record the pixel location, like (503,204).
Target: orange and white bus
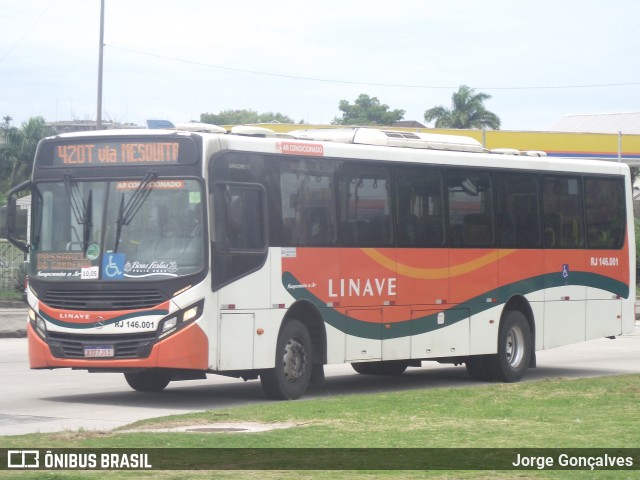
(169,255)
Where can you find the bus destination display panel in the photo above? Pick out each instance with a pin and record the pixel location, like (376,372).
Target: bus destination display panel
(95,153)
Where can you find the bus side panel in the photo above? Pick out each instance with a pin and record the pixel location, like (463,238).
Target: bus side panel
(235,344)
(448,333)
(396,343)
(537,309)
(628,306)
(483,331)
(423,276)
(336,341)
(565,297)
(471,272)
(604,318)
(629,314)
(265,336)
(236,329)
(362,348)
(522,268)
(564,320)
(604,307)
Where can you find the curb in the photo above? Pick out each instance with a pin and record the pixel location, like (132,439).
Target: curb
(14,334)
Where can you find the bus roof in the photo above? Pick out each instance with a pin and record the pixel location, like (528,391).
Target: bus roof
(469,151)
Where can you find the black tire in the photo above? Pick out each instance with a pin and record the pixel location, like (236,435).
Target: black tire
(294,359)
(514,349)
(390,367)
(148,380)
(477,368)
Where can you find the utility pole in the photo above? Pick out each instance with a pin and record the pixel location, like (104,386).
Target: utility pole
(100,54)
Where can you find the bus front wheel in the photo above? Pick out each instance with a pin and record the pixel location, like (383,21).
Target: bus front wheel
(292,373)
(148,380)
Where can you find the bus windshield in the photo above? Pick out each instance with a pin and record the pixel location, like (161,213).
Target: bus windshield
(124,230)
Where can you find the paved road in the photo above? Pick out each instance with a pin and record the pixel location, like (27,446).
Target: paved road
(13,322)
(49,401)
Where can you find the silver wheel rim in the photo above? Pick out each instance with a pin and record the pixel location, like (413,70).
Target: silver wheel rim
(514,347)
(295,361)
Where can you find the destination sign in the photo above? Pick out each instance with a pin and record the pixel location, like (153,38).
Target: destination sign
(94,153)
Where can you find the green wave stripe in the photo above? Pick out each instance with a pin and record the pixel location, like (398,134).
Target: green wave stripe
(456,313)
(84,326)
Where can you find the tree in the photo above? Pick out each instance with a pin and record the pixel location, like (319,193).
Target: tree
(18,149)
(240,117)
(367,111)
(467,111)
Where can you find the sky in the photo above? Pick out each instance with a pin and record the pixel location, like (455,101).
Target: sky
(164,59)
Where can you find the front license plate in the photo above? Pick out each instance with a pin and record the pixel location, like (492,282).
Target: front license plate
(99,351)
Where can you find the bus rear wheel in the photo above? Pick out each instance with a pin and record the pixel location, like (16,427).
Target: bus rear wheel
(292,373)
(148,380)
(390,367)
(514,349)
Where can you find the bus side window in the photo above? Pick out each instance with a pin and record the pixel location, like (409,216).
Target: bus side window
(477,229)
(552,228)
(240,218)
(519,211)
(365,207)
(605,212)
(307,203)
(419,207)
(563,212)
(471,210)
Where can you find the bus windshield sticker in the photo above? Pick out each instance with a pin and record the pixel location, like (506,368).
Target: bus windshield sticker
(113,266)
(90,273)
(194,198)
(93,252)
(138,269)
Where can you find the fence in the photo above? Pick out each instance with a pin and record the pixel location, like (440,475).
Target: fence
(12,271)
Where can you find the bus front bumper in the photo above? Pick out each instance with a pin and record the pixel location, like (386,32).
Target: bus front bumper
(186,349)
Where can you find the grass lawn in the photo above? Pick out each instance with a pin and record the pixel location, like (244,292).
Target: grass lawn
(552,413)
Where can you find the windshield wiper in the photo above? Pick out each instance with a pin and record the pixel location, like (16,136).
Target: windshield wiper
(128,211)
(83,212)
(88,222)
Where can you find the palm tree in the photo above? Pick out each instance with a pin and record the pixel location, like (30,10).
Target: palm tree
(18,148)
(468,111)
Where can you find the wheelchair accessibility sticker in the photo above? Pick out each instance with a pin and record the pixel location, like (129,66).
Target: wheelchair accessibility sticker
(113,266)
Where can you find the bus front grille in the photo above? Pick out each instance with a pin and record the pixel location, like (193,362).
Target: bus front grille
(133,299)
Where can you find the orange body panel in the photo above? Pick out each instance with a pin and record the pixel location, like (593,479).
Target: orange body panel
(375,277)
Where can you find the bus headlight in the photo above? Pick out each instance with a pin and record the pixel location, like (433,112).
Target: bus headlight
(41,327)
(180,319)
(190,314)
(38,323)
(168,326)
